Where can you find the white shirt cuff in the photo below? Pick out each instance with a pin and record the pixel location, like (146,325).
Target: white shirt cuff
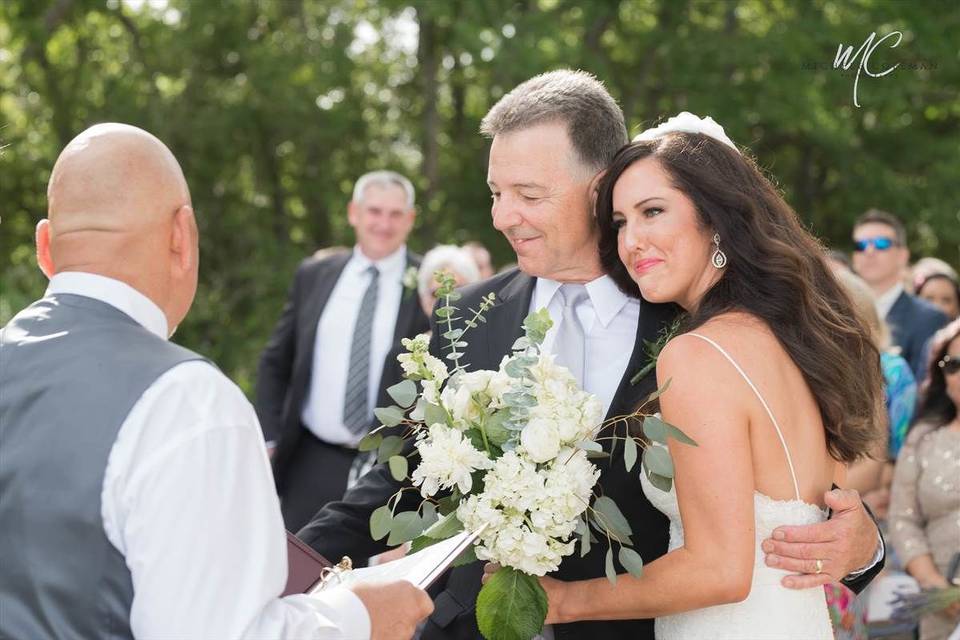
(346,610)
(877,557)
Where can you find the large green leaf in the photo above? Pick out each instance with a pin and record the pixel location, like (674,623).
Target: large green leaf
(404,393)
(612,518)
(660,482)
(494,427)
(434,414)
(381,521)
(445,527)
(511,606)
(659,431)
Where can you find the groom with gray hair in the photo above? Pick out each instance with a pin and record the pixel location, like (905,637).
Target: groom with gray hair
(552,138)
(135,492)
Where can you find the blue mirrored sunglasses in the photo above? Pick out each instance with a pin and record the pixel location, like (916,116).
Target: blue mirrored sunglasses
(880,244)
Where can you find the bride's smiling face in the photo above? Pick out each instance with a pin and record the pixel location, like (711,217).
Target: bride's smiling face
(660,239)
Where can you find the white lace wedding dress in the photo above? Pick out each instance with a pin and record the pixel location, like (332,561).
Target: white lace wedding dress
(771,611)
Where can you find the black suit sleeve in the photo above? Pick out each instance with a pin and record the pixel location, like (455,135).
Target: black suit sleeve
(276,366)
(860,582)
(343,528)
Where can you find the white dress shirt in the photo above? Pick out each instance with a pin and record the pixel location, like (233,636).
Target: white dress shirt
(322,410)
(887,299)
(609,319)
(189,501)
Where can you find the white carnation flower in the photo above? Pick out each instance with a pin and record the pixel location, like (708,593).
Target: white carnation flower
(447,459)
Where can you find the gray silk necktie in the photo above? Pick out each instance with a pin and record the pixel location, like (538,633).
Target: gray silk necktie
(570,343)
(356,413)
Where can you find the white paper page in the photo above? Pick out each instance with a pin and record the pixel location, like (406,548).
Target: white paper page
(418,568)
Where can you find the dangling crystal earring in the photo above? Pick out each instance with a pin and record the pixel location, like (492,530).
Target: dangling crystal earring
(719,258)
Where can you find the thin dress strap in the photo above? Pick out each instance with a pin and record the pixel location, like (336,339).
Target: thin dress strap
(793,475)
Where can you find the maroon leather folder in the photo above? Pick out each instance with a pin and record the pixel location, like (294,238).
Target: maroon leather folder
(304,566)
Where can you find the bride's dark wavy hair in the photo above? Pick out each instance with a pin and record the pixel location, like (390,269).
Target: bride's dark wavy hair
(775,271)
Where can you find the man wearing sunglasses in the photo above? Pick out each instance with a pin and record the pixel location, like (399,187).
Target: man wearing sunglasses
(880,256)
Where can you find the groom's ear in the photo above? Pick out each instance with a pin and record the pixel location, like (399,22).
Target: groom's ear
(594,184)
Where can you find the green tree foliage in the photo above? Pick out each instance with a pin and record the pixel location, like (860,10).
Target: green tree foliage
(274,107)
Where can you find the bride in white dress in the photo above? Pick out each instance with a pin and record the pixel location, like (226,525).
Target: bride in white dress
(773,376)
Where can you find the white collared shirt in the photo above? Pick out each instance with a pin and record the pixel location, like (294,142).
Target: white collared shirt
(609,318)
(322,411)
(887,299)
(189,501)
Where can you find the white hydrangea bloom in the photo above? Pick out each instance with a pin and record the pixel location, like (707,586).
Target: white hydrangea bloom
(447,460)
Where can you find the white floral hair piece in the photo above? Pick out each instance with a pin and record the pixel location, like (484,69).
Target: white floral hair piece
(686,122)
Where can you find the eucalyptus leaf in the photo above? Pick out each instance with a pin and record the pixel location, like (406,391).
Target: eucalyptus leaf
(390,446)
(629,452)
(444,312)
(590,445)
(406,526)
(381,521)
(612,518)
(658,392)
(429,514)
(655,429)
(585,543)
(399,467)
(511,606)
(389,416)
(608,567)
(453,296)
(370,442)
(453,334)
(660,482)
(631,561)
(521,343)
(434,414)
(404,393)
(657,459)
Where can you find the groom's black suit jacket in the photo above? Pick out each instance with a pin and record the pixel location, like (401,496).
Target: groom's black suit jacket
(342,528)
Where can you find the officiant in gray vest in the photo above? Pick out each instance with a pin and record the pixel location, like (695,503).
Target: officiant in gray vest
(136,498)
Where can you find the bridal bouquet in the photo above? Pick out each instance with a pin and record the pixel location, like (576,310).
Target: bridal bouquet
(505,453)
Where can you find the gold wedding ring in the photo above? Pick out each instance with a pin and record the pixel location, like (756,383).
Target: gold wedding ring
(819,566)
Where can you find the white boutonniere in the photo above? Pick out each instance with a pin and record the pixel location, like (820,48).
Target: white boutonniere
(409,281)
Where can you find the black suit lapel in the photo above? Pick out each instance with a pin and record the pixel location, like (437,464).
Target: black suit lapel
(505,320)
(409,315)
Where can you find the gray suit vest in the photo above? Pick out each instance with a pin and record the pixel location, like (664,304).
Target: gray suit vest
(71,369)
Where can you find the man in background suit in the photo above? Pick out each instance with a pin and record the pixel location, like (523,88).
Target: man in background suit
(880,257)
(323,370)
(552,138)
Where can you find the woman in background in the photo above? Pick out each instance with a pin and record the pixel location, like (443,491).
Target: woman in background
(925,498)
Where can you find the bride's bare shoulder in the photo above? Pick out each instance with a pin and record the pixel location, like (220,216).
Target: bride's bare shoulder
(737,333)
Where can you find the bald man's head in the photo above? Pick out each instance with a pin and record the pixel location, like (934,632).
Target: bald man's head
(118,205)
(114,177)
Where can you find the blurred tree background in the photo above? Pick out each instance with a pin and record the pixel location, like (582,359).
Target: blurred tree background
(274,107)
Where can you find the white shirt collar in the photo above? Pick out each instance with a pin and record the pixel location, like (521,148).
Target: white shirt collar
(887,299)
(390,266)
(605,296)
(115,293)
